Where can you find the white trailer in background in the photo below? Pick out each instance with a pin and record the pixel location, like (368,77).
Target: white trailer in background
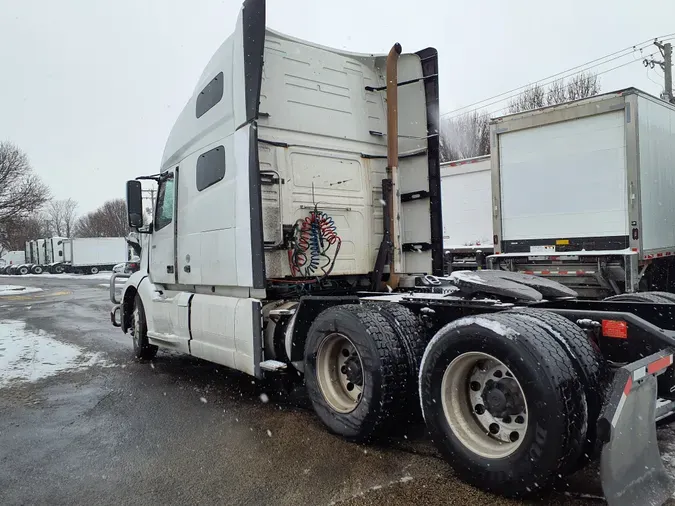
(13,257)
(466,194)
(91,255)
(583,193)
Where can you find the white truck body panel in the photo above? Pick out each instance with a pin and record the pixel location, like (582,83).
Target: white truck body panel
(13,257)
(656,127)
(42,252)
(565,179)
(97,251)
(466,193)
(56,246)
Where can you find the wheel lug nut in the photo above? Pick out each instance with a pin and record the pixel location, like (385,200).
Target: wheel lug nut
(480,409)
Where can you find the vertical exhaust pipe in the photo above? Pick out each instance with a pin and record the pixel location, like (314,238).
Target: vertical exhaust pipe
(392,156)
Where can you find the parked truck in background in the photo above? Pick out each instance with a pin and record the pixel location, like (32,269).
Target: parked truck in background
(90,255)
(466,193)
(583,193)
(11,258)
(298,232)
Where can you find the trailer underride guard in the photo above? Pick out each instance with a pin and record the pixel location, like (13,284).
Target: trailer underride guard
(298,233)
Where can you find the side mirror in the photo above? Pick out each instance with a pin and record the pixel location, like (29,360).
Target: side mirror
(134,204)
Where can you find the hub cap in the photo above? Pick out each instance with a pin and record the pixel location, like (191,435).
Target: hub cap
(484,405)
(340,373)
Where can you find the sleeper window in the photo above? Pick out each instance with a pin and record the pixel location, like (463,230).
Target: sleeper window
(210,167)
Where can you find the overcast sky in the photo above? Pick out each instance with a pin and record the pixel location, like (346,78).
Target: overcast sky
(90,89)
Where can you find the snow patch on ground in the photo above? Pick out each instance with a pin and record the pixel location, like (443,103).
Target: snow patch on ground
(17,290)
(100,275)
(28,356)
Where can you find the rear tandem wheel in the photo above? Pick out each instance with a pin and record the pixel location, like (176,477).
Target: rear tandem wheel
(503,403)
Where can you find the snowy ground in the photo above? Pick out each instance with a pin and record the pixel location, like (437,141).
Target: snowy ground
(28,356)
(18,290)
(100,275)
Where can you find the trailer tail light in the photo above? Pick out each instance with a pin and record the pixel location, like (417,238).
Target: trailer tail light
(495,239)
(617,329)
(636,234)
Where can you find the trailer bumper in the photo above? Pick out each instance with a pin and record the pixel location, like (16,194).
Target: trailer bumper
(631,469)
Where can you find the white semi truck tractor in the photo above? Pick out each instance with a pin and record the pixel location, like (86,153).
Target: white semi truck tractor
(297,231)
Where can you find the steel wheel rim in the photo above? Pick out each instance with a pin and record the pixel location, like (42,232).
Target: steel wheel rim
(338,367)
(478,429)
(94,270)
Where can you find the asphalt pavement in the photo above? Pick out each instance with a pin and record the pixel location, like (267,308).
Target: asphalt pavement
(108,429)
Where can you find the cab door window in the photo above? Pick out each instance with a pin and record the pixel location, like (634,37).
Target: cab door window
(164,210)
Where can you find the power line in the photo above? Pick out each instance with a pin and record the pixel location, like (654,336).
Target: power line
(599,73)
(625,51)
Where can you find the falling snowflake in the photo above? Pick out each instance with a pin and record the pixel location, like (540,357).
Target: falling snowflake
(269,433)
(264,398)
(203,399)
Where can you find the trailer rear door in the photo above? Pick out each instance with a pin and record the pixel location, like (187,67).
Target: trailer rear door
(565,183)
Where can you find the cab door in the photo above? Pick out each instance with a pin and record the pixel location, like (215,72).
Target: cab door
(163,241)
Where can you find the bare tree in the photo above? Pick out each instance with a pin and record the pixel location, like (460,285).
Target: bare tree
(465,136)
(21,191)
(109,220)
(582,85)
(19,230)
(62,216)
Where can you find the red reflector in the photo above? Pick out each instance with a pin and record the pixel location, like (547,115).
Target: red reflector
(545,273)
(661,363)
(629,385)
(615,328)
(563,273)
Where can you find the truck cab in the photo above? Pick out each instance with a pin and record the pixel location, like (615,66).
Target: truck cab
(271,186)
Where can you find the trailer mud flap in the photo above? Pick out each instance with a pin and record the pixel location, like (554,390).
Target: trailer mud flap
(631,469)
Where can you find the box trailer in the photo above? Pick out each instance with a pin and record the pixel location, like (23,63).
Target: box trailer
(466,194)
(91,255)
(583,193)
(292,237)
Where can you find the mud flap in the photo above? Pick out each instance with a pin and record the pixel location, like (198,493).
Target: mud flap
(631,469)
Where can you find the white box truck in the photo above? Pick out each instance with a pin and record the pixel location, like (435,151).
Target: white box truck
(466,193)
(583,193)
(90,255)
(298,232)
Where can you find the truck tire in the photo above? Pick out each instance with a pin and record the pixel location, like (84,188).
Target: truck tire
(57,269)
(22,271)
(503,403)
(93,270)
(139,332)
(356,372)
(653,297)
(589,364)
(413,339)
(37,269)
(670,297)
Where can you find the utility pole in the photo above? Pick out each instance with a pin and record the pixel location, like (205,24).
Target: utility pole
(667,66)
